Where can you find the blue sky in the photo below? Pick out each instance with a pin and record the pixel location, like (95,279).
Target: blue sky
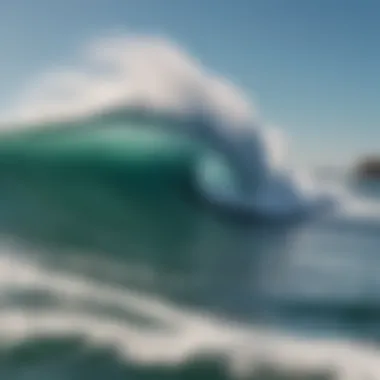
(312,66)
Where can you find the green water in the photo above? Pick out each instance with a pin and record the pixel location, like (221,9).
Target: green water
(115,210)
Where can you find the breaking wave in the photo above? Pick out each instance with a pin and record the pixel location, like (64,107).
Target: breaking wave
(111,156)
(151,76)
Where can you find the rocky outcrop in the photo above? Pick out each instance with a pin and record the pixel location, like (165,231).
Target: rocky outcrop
(369,168)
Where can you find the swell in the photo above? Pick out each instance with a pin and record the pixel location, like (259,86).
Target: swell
(191,154)
(88,187)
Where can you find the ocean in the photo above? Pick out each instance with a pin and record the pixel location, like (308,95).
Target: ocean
(114,265)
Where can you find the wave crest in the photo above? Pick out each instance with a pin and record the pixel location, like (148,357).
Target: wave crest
(154,75)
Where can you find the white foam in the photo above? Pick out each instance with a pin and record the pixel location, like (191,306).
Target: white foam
(186,332)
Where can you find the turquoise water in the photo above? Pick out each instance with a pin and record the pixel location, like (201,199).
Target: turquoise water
(114,266)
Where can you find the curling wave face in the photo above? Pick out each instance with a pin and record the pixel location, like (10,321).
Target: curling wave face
(230,168)
(234,170)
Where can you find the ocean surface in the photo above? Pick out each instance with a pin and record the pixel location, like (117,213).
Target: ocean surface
(115,266)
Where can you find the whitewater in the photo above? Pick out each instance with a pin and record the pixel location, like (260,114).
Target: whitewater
(147,210)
